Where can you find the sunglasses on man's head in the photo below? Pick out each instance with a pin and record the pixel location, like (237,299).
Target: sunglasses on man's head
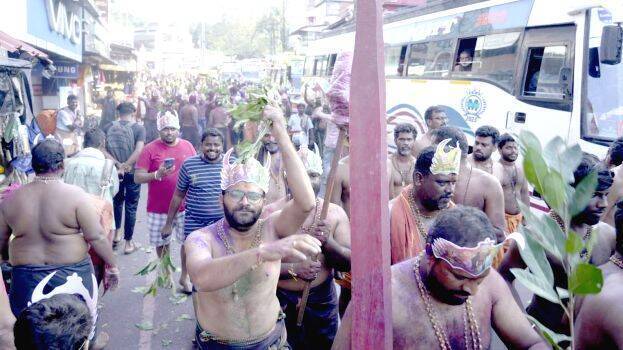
(251,196)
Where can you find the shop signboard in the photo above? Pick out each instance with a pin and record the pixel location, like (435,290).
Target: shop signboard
(66,70)
(56,26)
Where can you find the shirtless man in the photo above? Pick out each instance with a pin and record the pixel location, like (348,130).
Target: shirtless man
(321,314)
(513,181)
(277,187)
(341,188)
(475,187)
(50,241)
(235,263)
(585,224)
(435,117)
(466,302)
(484,145)
(415,209)
(400,165)
(599,322)
(613,161)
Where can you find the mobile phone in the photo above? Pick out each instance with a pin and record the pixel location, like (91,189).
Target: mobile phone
(169,162)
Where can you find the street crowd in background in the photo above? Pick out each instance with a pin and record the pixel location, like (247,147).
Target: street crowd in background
(268,268)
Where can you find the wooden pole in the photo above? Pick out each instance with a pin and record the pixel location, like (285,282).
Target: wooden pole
(323,214)
(370,257)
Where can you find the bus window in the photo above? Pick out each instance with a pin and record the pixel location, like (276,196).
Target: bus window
(332,58)
(320,66)
(495,58)
(543,72)
(394,60)
(465,55)
(432,59)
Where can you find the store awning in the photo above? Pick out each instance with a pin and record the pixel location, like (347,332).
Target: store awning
(11,44)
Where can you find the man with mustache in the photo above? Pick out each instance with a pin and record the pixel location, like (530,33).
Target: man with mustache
(235,263)
(435,117)
(417,206)
(159,166)
(486,137)
(321,313)
(513,181)
(199,183)
(400,165)
(448,296)
(585,224)
(475,187)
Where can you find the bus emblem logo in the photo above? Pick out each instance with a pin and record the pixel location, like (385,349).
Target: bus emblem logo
(473,105)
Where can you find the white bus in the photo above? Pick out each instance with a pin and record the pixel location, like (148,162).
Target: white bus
(530,64)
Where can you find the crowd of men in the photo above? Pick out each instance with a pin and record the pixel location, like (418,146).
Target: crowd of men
(263,261)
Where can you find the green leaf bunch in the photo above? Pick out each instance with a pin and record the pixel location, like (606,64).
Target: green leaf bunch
(550,171)
(164,277)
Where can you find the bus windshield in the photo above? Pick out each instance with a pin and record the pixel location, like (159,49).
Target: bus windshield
(604,104)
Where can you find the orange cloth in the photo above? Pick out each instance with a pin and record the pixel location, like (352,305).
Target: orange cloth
(405,238)
(513,222)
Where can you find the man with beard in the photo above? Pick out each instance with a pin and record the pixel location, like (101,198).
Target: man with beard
(513,181)
(415,209)
(484,145)
(585,224)
(270,156)
(448,296)
(474,187)
(435,117)
(321,312)
(400,165)
(49,248)
(199,183)
(235,263)
(599,321)
(158,166)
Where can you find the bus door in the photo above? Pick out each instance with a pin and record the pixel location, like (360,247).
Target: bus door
(544,83)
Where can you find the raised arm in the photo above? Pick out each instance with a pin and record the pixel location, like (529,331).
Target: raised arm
(508,320)
(295,211)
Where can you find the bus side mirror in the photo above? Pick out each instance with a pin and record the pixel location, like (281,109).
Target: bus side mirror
(611,42)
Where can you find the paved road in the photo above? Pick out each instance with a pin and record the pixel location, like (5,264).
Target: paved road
(124,309)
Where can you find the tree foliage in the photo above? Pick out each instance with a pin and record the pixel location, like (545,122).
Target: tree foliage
(241,37)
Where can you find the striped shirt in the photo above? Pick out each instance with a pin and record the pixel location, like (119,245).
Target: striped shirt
(201,181)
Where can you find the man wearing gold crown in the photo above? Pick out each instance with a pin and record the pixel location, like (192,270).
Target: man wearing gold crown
(321,313)
(415,209)
(235,263)
(448,296)
(474,187)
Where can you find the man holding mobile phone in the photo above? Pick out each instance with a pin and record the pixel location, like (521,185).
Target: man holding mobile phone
(158,166)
